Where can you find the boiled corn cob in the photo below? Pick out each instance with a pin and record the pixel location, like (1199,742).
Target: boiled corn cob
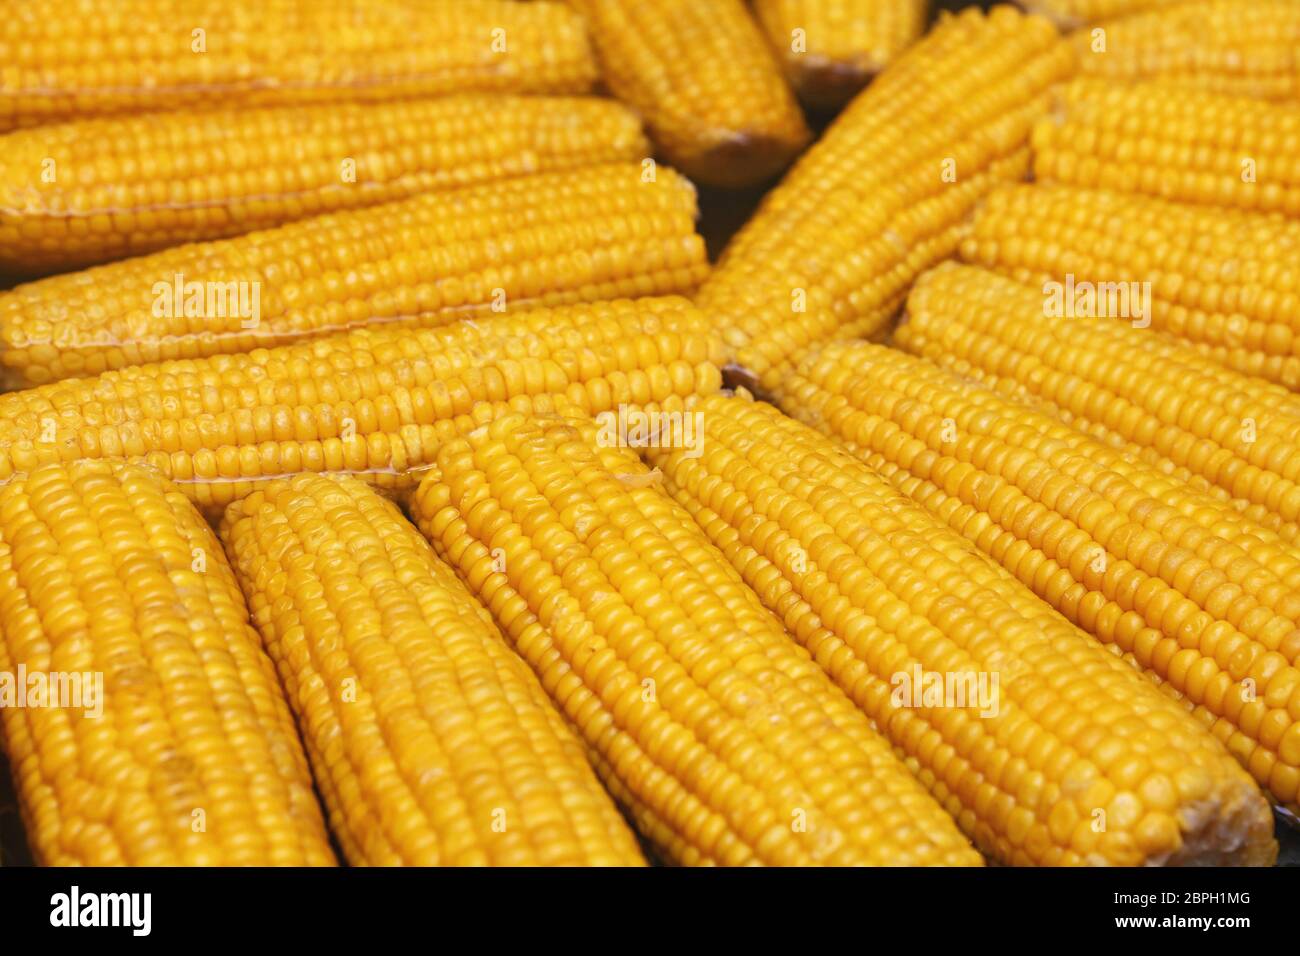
(95,190)
(188,755)
(830,49)
(587,234)
(1063,756)
(1074,13)
(722,739)
(701,74)
(1197,593)
(1161,140)
(1241,49)
(1107,379)
(375,402)
(833,249)
(1221,281)
(433,744)
(72,58)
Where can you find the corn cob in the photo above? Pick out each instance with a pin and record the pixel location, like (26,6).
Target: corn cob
(433,744)
(1075,13)
(1237,432)
(95,190)
(375,402)
(1198,594)
(878,199)
(701,74)
(188,754)
(1067,757)
(1160,140)
(1218,280)
(1240,49)
(71,58)
(550,239)
(720,736)
(830,49)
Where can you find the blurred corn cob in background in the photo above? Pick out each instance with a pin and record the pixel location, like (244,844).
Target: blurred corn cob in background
(587,234)
(1074,13)
(1162,140)
(1168,403)
(433,744)
(717,733)
(372,402)
(109,574)
(702,76)
(70,58)
(1197,593)
(1227,46)
(1052,752)
(832,250)
(830,49)
(1222,281)
(96,190)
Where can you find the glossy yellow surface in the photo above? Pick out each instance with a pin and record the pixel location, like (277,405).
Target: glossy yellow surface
(1199,595)
(1073,13)
(69,58)
(832,249)
(96,190)
(194,759)
(431,742)
(372,402)
(1245,49)
(1227,283)
(1075,760)
(830,49)
(588,234)
(701,74)
(1159,139)
(717,732)
(1234,431)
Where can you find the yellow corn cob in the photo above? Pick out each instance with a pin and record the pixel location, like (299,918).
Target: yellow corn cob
(1074,13)
(701,74)
(1172,143)
(831,48)
(374,402)
(433,744)
(571,236)
(1067,757)
(878,199)
(1218,280)
(1242,49)
(1235,431)
(95,190)
(719,735)
(1258,513)
(1198,594)
(71,58)
(109,580)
